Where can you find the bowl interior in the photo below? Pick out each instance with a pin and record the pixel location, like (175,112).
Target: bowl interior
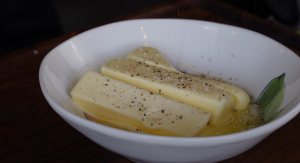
(235,55)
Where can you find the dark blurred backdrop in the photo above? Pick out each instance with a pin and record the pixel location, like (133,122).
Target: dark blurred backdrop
(28,22)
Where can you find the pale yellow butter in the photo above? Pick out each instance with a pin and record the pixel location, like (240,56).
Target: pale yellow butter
(112,123)
(152,113)
(173,84)
(151,56)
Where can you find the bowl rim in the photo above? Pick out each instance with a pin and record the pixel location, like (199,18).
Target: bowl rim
(165,140)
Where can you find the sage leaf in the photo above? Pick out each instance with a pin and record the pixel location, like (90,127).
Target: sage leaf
(271,98)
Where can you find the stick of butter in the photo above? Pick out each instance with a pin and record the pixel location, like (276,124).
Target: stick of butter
(173,84)
(151,56)
(108,98)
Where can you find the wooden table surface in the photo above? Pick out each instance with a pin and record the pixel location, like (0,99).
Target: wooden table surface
(30,131)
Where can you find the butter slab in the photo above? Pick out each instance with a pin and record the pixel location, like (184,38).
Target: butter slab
(153,57)
(111,99)
(173,84)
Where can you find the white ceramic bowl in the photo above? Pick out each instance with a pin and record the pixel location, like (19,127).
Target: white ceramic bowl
(241,57)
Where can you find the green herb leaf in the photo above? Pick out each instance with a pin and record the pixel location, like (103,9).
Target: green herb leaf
(271,98)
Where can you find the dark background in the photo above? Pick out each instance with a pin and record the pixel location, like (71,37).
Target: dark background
(27,22)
